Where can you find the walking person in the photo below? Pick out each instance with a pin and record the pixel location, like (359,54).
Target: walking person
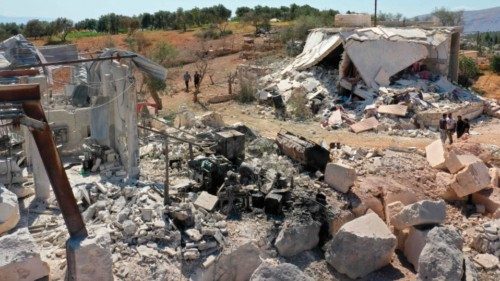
(187,79)
(197,81)
(442,128)
(451,126)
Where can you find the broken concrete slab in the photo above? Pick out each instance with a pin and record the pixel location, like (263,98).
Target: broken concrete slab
(339,176)
(471,179)
(442,258)
(238,264)
(296,237)
(489,198)
(435,154)
(361,246)
(9,210)
(414,244)
(280,272)
(383,79)
(393,109)
(420,213)
(455,162)
(206,201)
(317,47)
(20,259)
(365,125)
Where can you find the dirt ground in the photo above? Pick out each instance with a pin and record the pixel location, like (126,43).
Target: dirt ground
(489,83)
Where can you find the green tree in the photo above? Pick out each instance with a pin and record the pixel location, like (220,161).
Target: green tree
(449,18)
(34,28)
(62,26)
(495,64)
(146,21)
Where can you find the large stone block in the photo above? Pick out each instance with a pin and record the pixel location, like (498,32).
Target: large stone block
(423,212)
(471,179)
(296,237)
(340,177)
(9,210)
(19,257)
(435,155)
(456,162)
(442,258)
(495,175)
(361,246)
(414,244)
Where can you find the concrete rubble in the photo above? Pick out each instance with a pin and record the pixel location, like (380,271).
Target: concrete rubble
(193,198)
(20,259)
(9,210)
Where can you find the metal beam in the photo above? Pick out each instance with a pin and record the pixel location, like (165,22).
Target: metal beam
(20,72)
(117,57)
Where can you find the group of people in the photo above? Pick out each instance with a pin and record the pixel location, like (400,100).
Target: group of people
(448,127)
(197,80)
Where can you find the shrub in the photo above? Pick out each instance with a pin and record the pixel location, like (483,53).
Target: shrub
(468,71)
(495,64)
(164,54)
(298,105)
(212,33)
(248,90)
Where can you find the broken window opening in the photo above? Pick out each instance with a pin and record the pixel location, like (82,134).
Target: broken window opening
(333,59)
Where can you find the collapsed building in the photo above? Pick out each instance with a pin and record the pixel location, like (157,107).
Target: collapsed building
(401,76)
(197,199)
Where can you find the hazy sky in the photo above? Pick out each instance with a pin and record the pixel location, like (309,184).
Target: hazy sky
(80,9)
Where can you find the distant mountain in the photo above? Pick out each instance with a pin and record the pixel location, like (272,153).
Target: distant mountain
(19,20)
(482,20)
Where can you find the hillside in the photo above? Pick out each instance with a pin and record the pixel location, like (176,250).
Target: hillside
(482,20)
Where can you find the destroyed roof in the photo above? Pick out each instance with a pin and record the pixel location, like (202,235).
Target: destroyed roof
(322,41)
(17,51)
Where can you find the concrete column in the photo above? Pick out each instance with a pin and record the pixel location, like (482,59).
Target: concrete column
(40,177)
(454,52)
(132,131)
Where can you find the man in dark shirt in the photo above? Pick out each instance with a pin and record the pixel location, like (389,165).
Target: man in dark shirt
(442,128)
(197,80)
(460,127)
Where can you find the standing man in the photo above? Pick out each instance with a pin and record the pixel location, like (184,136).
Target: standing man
(197,81)
(187,79)
(442,128)
(460,127)
(451,126)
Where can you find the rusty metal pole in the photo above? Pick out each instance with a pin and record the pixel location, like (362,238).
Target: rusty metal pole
(29,96)
(166,198)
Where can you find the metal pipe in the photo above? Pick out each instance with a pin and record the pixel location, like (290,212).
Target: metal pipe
(20,72)
(170,136)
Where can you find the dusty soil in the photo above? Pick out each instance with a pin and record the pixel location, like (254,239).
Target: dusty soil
(489,83)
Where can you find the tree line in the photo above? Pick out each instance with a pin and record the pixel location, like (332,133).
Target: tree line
(216,16)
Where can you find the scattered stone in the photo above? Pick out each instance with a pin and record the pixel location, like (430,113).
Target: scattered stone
(365,125)
(194,234)
(9,210)
(192,254)
(340,177)
(19,258)
(423,212)
(281,272)
(206,201)
(361,246)
(297,236)
(442,258)
(487,261)
(129,227)
(471,273)
(393,109)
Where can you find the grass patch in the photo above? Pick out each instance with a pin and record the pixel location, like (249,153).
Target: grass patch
(75,35)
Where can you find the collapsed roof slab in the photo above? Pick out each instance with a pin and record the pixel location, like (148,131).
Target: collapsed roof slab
(370,57)
(319,45)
